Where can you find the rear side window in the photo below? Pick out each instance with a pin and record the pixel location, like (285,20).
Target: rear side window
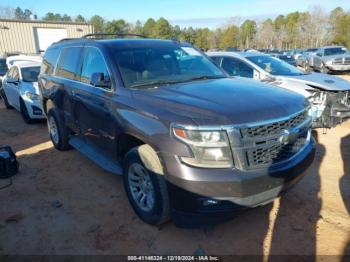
(49,61)
(236,67)
(69,64)
(93,63)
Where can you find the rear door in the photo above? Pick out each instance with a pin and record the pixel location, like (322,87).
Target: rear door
(67,83)
(93,103)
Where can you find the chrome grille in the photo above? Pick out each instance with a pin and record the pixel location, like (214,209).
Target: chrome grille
(273,128)
(341,61)
(275,153)
(264,145)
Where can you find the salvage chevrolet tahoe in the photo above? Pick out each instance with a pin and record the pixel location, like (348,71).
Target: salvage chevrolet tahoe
(188,139)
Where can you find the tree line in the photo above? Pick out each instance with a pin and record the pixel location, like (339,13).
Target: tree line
(312,28)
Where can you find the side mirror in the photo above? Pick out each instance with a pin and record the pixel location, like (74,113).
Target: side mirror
(98,80)
(12,81)
(268,79)
(256,75)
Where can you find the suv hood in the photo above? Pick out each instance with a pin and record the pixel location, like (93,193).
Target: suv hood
(223,101)
(318,80)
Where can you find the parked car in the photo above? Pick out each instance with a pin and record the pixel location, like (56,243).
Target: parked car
(331,59)
(20,90)
(3,69)
(305,60)
(190,141)
(328,95)
(11,60)
(288,59)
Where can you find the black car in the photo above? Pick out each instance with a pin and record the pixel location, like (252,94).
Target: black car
(190,141)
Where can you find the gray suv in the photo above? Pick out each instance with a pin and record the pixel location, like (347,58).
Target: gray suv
(190,142)
(331,59)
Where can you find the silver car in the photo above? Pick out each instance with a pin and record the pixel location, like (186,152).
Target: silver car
(329,96)
(331,58)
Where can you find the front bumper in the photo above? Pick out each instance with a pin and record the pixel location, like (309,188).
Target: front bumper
(212,191)
(339,67)
(34,109)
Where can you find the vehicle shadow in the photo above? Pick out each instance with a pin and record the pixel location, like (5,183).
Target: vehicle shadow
(17,134)
(295,226)
(344,183)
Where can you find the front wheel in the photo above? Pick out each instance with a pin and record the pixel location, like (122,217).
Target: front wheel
(324,69)
(7,104)
(145,185)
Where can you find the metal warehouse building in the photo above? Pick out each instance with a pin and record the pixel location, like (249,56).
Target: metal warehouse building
(31,36)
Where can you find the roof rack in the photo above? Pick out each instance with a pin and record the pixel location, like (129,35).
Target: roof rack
(65,39)
(102,35)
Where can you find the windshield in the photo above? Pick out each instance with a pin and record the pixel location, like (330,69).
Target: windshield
(151,66)
(275,66)
(335,51)
(30,74)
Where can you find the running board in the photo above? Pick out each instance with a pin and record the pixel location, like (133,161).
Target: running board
(95,156)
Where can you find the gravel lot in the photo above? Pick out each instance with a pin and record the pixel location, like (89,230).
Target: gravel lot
(61,203)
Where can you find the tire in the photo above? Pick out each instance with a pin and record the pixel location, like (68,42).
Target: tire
(144,172)
(307,67)
(59,133)
(7,104)
(324,69)
(24,113)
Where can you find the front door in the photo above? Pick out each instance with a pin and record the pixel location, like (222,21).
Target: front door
(94,108)
(11,87)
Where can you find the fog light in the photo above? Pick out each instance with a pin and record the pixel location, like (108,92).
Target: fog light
(210,202)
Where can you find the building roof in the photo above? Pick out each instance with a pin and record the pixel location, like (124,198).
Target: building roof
(43,21)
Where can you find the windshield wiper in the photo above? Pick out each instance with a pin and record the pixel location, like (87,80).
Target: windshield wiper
(204,77)
(158,82)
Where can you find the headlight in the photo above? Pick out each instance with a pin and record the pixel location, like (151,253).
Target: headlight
(210,149)
(31,96)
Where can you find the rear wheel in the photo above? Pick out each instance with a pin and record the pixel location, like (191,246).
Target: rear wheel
(145,185)
(59,133)
(3,95)
(24,113)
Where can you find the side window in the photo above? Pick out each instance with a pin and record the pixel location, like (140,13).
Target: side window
(93,62)
(216,59)
(236,67)
(319,53)
(49,61)
(15,74)
(69,64)
(9,73)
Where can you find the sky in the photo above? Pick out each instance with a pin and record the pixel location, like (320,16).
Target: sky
(196,13)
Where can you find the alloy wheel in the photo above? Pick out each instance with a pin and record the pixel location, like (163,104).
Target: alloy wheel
(141,187)
(53,130)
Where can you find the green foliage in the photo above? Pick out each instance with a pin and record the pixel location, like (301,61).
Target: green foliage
(98,23)
(294,30)
(117,27)
(80,19)
(52,17)
(20,14)
(229,37)
(248,30)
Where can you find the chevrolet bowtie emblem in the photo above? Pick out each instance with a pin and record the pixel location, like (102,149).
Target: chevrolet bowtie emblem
(284,138)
